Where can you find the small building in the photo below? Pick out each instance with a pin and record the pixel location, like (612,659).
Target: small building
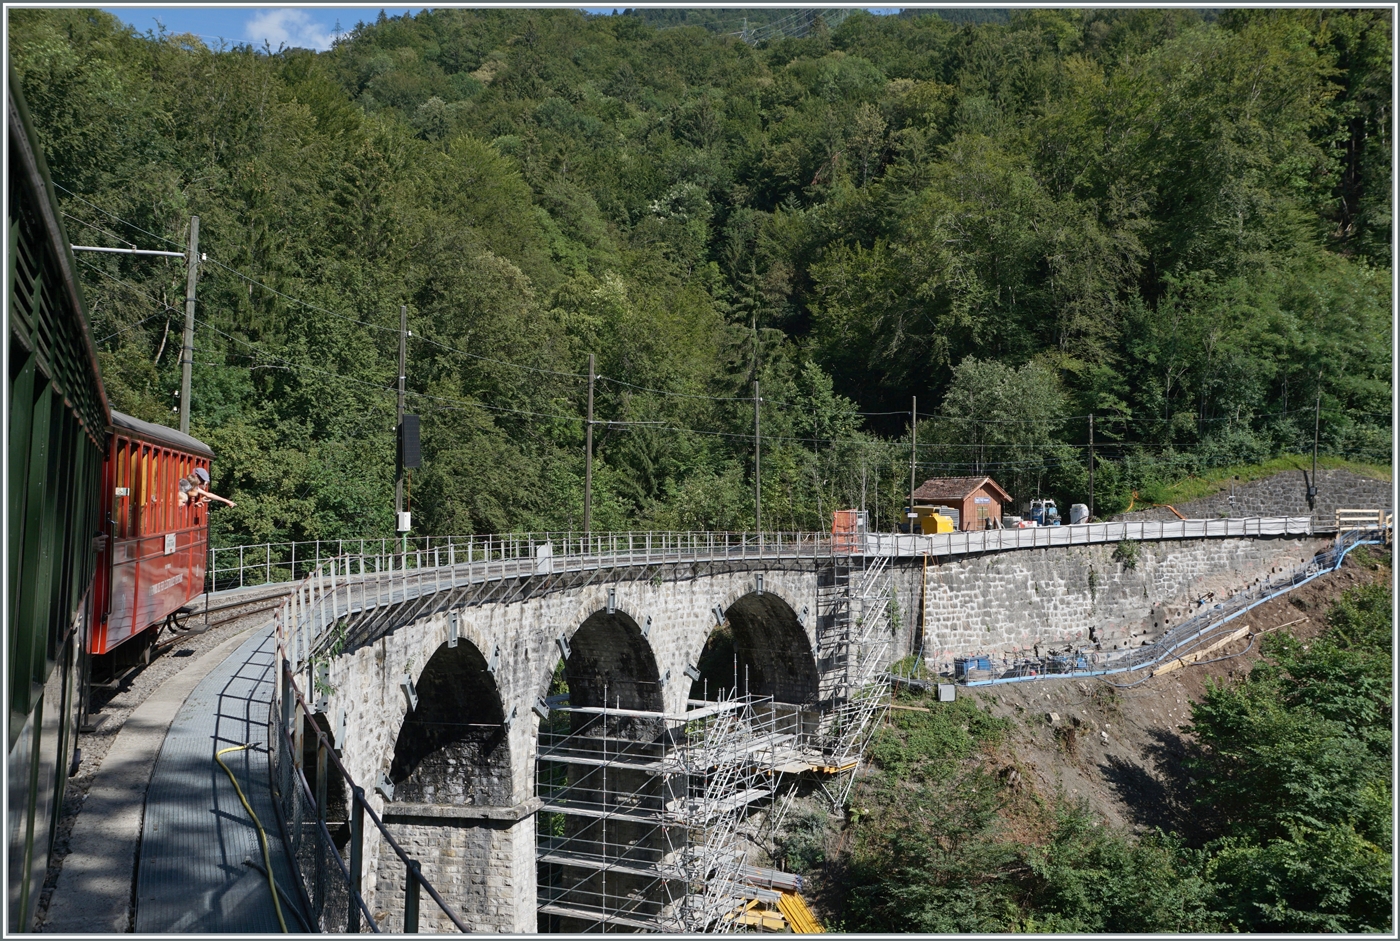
(978,500)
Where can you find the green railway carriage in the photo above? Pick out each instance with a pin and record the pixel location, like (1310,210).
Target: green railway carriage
(56,431)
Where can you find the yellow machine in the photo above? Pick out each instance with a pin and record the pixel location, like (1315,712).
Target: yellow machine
(930,521)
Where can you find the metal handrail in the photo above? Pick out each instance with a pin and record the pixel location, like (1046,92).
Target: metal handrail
(359,804)
(299,778)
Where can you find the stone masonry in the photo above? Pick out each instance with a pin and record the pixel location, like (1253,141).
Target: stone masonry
(476,839)
(1284,495)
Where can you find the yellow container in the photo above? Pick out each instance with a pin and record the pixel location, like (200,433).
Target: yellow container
(931,521)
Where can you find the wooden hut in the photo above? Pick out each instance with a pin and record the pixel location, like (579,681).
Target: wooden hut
(979,500)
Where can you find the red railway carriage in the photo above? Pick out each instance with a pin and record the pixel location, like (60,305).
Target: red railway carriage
(156,548)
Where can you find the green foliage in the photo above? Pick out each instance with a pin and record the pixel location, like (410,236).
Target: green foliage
(1290,777)
(1089,878)
(802,845)
(923,745)
(931,852)
(1292,773)
(1175,221)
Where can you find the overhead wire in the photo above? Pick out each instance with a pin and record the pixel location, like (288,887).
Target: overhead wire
(98,228)
(116,217)
(815,440)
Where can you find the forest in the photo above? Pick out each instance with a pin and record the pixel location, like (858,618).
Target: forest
(1176,223)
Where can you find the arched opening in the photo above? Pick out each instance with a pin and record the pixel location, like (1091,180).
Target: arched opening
(452,747)
(761,649)
(600,840)
(314,765)
(611,664)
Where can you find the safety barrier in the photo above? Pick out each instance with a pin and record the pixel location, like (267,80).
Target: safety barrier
(232,567)
(332,886)
(265,563)
(1081,534)
(1348,519)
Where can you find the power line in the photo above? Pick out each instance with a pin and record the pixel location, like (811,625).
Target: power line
(116,217)
(98,228)
(135,325)
(502,362)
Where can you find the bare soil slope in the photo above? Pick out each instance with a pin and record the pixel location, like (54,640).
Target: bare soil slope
(1117,748)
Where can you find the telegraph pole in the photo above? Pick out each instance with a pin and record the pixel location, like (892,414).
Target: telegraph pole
(757,468)
(187,353)
(1091,467)
(913,459)
(588,463)
(1317,423)
(398,463)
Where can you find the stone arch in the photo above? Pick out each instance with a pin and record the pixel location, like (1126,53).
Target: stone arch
(592,862)
(453,748)
(762,648)
(611,663)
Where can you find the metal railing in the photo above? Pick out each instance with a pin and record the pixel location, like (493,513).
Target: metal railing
(371,584)
(1080,534)
(232,567)
(333,886)
(267,563)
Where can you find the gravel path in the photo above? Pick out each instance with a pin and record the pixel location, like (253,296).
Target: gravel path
(116,705)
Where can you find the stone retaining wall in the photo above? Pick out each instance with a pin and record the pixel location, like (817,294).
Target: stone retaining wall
(1284,495)
(1032,601)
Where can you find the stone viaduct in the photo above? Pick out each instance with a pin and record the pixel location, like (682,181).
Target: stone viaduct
(432,681)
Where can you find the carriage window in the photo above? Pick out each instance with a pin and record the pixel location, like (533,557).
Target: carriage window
(118,482)
(142,500)
(167,490)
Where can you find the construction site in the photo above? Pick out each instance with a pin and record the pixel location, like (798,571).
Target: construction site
(665,822)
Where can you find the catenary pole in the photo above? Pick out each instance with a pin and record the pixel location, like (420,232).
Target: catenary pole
(588,462)
(187,352)
(398,461)
(757,465)
(1091,467)
(913,460)
(1317,424)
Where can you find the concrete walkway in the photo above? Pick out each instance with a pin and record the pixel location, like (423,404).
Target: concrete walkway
(163,827)
(193,876)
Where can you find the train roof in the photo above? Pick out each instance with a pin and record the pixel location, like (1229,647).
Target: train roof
(161,434)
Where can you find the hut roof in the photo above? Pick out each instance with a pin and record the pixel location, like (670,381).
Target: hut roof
(957,488)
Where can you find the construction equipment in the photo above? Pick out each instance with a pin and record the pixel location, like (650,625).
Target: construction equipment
(1043,512)
(929,520)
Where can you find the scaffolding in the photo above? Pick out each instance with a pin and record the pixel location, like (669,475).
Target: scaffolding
(642,818)
(853,638)
(641,813)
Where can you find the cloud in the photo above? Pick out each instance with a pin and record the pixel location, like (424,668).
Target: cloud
(290,27)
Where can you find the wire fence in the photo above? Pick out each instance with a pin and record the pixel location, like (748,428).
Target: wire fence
(325,876)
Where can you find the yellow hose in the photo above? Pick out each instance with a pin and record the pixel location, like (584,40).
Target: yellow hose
(262,834)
